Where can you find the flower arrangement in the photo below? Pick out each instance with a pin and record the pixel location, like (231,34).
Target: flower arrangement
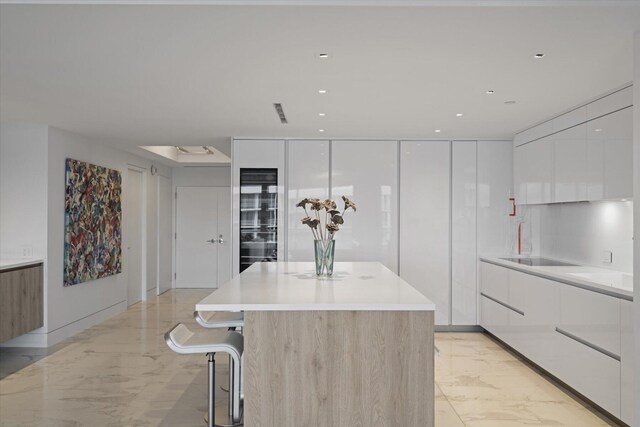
(324,225)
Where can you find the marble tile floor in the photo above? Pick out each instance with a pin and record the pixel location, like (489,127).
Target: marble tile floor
(121,373)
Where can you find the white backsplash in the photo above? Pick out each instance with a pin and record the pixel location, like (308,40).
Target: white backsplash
(581,232)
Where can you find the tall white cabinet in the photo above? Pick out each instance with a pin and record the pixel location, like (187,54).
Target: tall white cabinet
(424,221)
(464,170)
(367,172)
(307,176)
(426,209)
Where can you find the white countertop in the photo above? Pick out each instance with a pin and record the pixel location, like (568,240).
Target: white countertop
(9,263)
(293,286)
(609,282)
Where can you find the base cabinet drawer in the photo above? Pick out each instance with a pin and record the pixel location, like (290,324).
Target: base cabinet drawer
(494,317)
(592,373)
(627,362)
(494,281)
(21,301)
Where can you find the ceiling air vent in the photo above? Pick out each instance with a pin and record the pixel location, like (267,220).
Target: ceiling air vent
(280,111)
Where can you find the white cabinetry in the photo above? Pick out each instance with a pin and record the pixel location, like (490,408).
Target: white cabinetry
(585,154)
(257,154)
(610,148)
(627,362)
(424,221)
(532,171)
(571,173)
(307,176)
(367,172)
(464,291)
(582,337)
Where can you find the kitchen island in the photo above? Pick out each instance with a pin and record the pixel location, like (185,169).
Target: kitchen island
(355,349)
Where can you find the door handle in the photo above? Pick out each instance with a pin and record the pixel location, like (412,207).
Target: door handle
(212,241)
(221,240)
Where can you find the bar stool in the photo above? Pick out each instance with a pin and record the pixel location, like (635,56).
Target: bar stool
(222,319)
(183,341)
(219,319)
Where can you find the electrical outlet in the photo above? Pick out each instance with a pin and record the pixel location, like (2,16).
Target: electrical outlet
(607,257)
(27,251)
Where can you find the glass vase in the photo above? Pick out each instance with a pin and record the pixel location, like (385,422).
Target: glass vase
(324,251)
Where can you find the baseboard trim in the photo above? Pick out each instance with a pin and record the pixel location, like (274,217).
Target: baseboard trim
(458,328)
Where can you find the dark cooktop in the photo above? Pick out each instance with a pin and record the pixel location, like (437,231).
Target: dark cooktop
(539,262)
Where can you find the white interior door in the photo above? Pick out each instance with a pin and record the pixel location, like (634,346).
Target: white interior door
(133,221)
(203,256)
(164,234)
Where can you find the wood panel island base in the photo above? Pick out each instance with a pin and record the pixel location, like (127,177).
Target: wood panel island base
(353,350)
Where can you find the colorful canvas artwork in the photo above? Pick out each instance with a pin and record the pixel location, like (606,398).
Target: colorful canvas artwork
(93,216)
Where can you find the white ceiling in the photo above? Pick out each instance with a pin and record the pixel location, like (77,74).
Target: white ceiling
(198,74)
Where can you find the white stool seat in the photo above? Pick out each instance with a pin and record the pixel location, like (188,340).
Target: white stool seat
(219,319)
(184,341)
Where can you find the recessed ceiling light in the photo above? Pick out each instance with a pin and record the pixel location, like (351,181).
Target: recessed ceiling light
(323,91)
(437,131)
(509,102)
(321,114)
(320,130)
(597,130)
(538,55)
(459,115)
(323,55)
(490,92)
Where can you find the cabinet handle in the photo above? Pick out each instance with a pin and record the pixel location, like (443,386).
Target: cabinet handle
(504,304)
(588,344)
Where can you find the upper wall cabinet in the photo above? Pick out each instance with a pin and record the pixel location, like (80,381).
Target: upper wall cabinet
(571,173)
(367,172)
(610,148)
(532,171)
(585,154)
(307,176)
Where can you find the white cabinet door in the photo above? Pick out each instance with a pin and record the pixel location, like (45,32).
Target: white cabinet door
(494,293)
(367,173)
(610,147)
(520,168)
(571,172)
(536,162)
(424,221)
(307,176)
(494,184)
(259,154)
(626,363)
(464,292)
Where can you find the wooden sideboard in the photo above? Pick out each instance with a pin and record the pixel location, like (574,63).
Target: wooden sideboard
(21,300)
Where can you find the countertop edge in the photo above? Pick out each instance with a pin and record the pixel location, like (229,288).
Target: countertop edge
(19,263)
(562,278)
(315,307)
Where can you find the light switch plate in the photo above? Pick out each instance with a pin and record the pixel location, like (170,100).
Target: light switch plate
(607,257)
(27,251)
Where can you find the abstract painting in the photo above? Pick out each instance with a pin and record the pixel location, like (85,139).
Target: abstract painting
(93,216)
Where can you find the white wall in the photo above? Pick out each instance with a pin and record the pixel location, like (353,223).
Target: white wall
(636,197)
(69,310)
(580,232)
(23,192)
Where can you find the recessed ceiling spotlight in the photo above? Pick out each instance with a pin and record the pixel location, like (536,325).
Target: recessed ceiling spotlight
(597,130)
(323,55)
(320,130)
(490,92)
(437,131)
(321,114)
(459,115)
(322,91)
(538,55)
(509,102)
